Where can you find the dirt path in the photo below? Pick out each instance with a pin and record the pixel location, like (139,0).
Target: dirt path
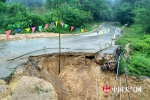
(29,36)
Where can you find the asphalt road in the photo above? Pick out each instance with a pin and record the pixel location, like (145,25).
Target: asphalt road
(87,42)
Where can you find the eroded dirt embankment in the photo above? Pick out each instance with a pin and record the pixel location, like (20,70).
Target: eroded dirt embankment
(82,77)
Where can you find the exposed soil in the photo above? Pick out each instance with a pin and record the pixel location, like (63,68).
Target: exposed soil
(33,88)
(29,36)
(82,77)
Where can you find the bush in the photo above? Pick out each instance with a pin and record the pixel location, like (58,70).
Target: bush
(37,20)
(74,16)
(140,47)
(14,16)
(139,61)
(139,64)
(51,16)
(142,19)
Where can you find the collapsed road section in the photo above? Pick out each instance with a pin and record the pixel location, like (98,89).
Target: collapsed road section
(82,77)
(78,72)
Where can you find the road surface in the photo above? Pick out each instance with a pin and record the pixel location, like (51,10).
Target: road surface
(88,42)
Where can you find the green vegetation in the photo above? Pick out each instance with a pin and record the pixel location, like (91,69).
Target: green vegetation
(74,13)
(134,12)
(139,61)
(40,89)
(76,17)
(2,0)
(141,98)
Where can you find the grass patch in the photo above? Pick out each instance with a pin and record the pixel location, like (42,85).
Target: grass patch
(129,36)
(139,61)
(40,89)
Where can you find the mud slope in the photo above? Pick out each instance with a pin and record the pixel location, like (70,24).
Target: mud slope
(82,77)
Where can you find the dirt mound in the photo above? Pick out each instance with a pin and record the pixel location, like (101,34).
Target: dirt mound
(5,91)
(32,88)
(81,76)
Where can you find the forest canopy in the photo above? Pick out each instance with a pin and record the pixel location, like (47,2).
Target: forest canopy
(27,13)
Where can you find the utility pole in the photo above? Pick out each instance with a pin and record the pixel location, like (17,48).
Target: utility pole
(59,62)
(59,53)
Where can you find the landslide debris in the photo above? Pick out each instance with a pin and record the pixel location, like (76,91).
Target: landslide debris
(82,77)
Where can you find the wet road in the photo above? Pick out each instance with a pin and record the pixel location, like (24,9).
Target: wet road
(89,42)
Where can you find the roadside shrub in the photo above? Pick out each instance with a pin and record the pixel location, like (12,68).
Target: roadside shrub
(139,61)
(51,16)
(15,16)
(37,20)
(146,39)
(3,7)
(141,47)
(139,64)
(74,16)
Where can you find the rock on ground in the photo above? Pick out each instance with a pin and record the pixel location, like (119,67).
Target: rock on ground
(4,91)
(107,57)
(2,82)
(32,88)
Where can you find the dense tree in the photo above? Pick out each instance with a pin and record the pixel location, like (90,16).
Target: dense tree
(124,13)
(27,3)
(3,7)
(54,4)
(13,16)
(134,11)
(95,7)
(75,12)
(2,0)
(74,16)
(142,13)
